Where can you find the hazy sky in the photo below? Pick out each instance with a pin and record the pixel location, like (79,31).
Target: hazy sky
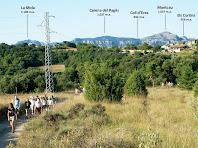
(73,19)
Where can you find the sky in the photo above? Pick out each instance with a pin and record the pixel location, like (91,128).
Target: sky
(73,19)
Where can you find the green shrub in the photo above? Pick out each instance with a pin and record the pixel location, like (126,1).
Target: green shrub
(74,110)
(102,83)
(53,118)
(135,85)
(187,78)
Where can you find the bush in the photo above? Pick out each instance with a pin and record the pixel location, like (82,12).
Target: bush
(135,85)
(187,77)
(53,118)
(74,110)
(102,83)
(195,89)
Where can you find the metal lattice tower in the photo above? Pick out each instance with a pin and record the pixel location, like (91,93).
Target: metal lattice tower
(48,63)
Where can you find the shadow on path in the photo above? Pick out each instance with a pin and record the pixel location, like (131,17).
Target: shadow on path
(6,134)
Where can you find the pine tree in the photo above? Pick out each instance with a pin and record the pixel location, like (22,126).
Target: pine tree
(102,83)
(187,77)
(135,85)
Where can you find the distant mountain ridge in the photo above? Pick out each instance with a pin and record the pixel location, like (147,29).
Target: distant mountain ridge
(30,42)
(35,42)
(109,41)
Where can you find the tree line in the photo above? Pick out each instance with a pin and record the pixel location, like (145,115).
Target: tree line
(106,73)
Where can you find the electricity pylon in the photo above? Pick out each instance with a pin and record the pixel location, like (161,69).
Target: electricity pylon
(48,63)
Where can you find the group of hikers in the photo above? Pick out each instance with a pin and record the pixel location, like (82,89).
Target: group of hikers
(167,84)
(32,106)
(79,91)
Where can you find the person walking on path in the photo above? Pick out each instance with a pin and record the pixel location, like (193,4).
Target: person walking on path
(53,100)
(27,107)
(42,104)
(76,91)
(50,104)
(12,115)
(32,105)
(38,106)
(17,105)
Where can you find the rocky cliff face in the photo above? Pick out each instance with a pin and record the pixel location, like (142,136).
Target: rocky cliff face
(109,41)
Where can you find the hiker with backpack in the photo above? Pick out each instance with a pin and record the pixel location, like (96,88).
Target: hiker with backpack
(17,105)
(53,100)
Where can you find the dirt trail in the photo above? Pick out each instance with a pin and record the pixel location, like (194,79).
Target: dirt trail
(6,134)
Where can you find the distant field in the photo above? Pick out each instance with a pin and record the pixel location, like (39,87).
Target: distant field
(55,68)
(73,49)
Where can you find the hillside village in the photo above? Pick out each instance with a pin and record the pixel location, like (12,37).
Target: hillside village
(174,47)
(179,46)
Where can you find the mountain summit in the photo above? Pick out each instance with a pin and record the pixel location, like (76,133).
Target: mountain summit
(163,38)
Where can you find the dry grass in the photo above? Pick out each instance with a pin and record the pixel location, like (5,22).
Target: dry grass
(55,68)
(166,111)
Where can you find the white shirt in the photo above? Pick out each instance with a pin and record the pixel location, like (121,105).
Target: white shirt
(38,104)
(32,103)
(50,102)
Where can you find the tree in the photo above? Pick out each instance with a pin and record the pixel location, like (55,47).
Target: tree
(133,47)
(127,46)
(67,80)
(195,89)
(156,48)
(102,83)
(135,85)
(153,72)
(144,46)
(168,71)
(187,77)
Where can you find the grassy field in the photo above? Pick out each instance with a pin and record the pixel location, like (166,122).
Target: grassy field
(66,49)
(55,68)
(165,119)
